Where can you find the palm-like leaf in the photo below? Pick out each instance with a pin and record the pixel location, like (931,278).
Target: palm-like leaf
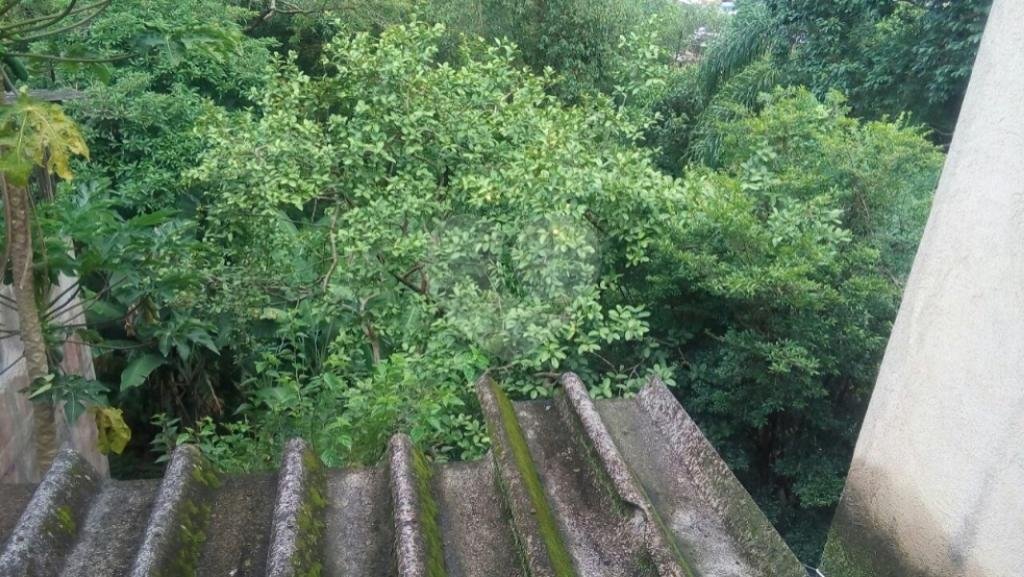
(732,99)
(754,32)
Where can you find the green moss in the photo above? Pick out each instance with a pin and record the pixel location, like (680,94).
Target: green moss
(190,538)
(561,562)
(194,518)
(65,520)
(838,562)
(429,517)
(308,556)
(205,474)
(669,539)
(506,513)
(646,567)
(746,522)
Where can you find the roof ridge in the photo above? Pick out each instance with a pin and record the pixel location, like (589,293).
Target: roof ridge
(572,492)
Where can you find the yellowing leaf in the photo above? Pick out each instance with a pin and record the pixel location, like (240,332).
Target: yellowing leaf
(113,433)
(34,133)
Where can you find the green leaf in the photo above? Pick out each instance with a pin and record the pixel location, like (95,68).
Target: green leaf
(139,369)
(98,311)
(44,386)
(151,219)
(73,408)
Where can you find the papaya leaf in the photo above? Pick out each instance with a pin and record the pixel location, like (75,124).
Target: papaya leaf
(34,133)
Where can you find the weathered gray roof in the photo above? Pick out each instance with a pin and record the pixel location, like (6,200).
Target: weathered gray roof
(625,487)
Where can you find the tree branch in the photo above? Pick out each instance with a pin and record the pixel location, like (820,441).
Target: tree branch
(76,59)
(47,95)
(47,20)
(54,309)
(20,358)
(47,33)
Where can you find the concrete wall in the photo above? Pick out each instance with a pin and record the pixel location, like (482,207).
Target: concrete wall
(17,452)
(17,455)
(937,482)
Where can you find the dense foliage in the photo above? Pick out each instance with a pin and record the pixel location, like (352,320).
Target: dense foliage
(442,212)
(890,58)
(780,283)
(327,218)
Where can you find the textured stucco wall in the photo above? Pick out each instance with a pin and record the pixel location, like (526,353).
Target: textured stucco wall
(937,482)
(17,451)
(17,456)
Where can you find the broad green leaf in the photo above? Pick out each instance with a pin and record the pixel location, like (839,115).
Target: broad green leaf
(151,219)
(139,369)
(44,387)
(98,311)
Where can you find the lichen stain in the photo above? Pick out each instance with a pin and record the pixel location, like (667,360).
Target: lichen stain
(189,540)
(645,564)
(863,540)
(194,518)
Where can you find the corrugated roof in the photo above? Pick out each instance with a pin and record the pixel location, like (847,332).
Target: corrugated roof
(572,487)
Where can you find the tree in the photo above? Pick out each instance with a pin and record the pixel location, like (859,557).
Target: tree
(335,244)
(446,218)
(58,42)
(32,135)
(889,58)
(777,286)
(579,40)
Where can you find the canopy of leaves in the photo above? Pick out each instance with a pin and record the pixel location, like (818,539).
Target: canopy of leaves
(778,284)
(451,217)
(579,39)
(909,57)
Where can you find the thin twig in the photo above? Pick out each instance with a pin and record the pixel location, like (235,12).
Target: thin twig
(7,222)
(334,251)
(60,95)
(14,362)
(74,285)
(68,28)
(86,303)
(99,8)
(11,306)
(74,289)
(105,346)
(8,85)
(47,20)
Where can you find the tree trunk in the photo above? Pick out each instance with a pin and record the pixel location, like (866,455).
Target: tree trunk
(19,235)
